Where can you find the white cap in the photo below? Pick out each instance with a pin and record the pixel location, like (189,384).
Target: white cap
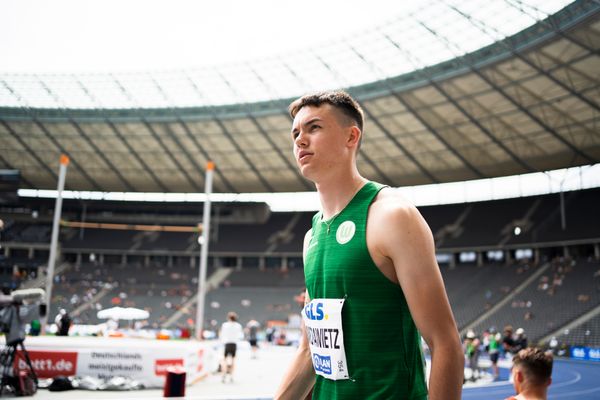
(470,334)
(520,331)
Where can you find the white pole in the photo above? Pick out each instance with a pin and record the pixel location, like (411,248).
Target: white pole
(64,162)
(210,166)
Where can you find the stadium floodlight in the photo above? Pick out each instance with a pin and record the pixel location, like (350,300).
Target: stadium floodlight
(210,167)
(64,162)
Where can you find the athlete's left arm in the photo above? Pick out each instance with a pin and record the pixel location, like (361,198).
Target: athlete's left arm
(404,238)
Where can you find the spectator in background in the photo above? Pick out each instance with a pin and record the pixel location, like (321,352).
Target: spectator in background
(520,341)
(252,330)
(493,348)
(231,333)
(532,374)
(35,327)
(472,351)
(507,340)
(63,323)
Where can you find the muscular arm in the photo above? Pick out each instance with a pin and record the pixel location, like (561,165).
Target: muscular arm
(404,241)
(299,378)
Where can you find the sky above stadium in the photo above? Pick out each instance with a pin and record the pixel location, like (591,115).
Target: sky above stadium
(109,35)
(40,36)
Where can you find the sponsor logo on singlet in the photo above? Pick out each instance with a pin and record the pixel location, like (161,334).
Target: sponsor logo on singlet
(322,363)
(314,311)
(345,232)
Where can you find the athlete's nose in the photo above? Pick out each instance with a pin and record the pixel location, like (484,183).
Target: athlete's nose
(300,140)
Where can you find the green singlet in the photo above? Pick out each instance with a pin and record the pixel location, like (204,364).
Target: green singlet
(382,344)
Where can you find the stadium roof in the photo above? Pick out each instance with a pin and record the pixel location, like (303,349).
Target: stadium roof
(452,94)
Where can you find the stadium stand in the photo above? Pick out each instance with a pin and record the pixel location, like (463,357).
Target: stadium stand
(587,334)
(474,289)
(157,270)
(566,290)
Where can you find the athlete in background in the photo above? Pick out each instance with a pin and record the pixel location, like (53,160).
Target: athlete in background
(532,374)
(231,333)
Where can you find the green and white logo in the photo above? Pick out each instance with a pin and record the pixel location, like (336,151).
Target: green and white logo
(345,232)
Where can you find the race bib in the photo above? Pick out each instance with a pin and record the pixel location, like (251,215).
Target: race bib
(323,322)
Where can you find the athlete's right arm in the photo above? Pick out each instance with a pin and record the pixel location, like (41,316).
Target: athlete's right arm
(299,378)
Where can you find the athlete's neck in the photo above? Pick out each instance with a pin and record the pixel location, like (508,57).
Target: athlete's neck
(336,193)
(533,394)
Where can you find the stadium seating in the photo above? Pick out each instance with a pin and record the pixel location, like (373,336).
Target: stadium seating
(565,291)
(157,270)
(472,289)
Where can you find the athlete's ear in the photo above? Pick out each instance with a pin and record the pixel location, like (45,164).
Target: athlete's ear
(519,376)
(354,136)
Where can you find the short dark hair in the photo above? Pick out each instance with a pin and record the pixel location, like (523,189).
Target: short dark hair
(232,316)
(337,98)
(536,363)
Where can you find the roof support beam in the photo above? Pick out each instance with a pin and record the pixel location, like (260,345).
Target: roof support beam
(229,136)
(120,136)
(537,120)
(552,23)
(29,150)
(419,117)
(173,158)
(556,110)
(83,134)
(44,129)
(21,177)
(136,155)
(568,65)
(228,185)
(467,61)
(62,150)
(240,151)
(101,154)
(261,178)
(511,47)
(158,139)
(188,133)
(41,126)
(439,136)
(497,119)
(457,105)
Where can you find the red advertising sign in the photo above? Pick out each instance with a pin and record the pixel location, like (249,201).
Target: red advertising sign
(161,366)
(48,364)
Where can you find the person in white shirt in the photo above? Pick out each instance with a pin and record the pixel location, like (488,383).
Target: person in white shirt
(231,333)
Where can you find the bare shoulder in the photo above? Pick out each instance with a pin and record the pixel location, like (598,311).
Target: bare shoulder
(394,220)
(307,237)
(389,203)
(306,242)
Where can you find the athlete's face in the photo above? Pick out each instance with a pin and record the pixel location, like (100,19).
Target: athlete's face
(320,140)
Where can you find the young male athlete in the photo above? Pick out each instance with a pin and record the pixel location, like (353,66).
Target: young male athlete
(532,374)
(373,283)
